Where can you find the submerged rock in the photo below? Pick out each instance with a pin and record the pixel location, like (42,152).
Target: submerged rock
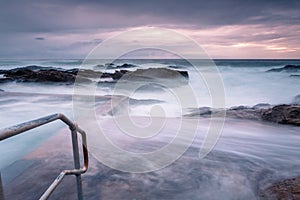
(287,68)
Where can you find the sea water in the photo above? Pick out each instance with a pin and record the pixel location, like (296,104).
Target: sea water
(243,148)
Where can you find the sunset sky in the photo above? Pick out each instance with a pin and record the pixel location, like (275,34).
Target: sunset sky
(225,29)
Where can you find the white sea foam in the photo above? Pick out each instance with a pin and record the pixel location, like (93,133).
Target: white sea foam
(248,154)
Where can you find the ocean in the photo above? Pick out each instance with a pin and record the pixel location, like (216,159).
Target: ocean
(248,154)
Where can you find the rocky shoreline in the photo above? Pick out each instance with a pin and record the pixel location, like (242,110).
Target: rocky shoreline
(39,74)
(281,114)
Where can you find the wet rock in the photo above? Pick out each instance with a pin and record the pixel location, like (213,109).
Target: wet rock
(51,75)
(243,112)
(283,114)
(5,80)
(239,112)
(161,73)
(285,189)
(262,106)
(287,68)
(295,75)
(146,74)
(3,71)
(126,66)
(123,66)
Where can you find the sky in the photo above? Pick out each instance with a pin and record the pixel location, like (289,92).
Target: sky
(63,29)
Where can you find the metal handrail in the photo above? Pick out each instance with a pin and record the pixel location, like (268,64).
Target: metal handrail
(20,128)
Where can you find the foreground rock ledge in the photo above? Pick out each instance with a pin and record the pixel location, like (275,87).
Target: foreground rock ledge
(281,114)
(288,189)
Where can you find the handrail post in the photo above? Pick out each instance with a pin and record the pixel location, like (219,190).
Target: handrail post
(1,189)
(76,161)
(20,128)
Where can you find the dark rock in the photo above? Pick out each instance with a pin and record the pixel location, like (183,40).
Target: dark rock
(3,71)
(118,74)
(175,67)
(287,68)
(2,90)
(106,75)
(39,74)
(35,68)
(146,74)
(283,114)
(109,64)
(123,66)
(51,75)
(285,189)
(5,80)
(157,73)
(126,66)
(205,111)
(243,112)
(295,75)
(73,71)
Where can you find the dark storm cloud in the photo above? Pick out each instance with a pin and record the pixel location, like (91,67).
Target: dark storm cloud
(55,16)
(73,27)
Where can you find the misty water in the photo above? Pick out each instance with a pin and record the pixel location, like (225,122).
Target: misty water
(248,155)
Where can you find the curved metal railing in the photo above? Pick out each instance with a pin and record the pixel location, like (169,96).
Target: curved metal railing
(20,128)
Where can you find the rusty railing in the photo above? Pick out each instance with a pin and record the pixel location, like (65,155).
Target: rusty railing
(20,128)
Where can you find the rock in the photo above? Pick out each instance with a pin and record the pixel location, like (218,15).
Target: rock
(3,71)
(283,114)
(2,90)
(175,67)
(287,68)
(5,80)
(146,74)
(262,106)
(295,75)
(28,75)
(123,66)
(205,111)
(49,74)
(243,112)
(118,74)
(109,64)
(285,189)
(126,66)
(157,73)
(88,73)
